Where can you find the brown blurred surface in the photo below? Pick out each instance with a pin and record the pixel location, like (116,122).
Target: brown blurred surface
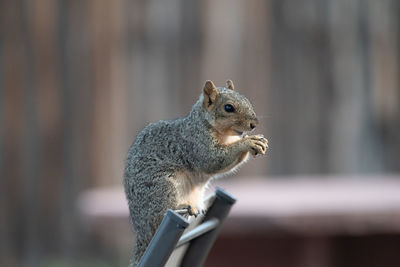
(375,250)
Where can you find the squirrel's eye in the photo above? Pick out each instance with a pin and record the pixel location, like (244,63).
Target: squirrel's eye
(229,108)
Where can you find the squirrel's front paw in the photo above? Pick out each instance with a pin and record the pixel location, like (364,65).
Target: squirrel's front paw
(192,211)
(258,144)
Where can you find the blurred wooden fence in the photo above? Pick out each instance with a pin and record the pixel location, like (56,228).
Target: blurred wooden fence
(78,80)
(334,87)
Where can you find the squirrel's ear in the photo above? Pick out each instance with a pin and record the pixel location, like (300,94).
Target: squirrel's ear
(210,94)
(229,85)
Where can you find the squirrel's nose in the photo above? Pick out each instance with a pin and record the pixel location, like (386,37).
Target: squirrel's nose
(253,124)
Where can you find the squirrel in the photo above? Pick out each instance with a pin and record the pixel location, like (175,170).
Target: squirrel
(170,163)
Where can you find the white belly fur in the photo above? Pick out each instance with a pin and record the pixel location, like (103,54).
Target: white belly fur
(191,189)
(231,139)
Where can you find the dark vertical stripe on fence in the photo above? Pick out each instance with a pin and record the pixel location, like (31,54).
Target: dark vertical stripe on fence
(3,190)
(31,148)
(68,169)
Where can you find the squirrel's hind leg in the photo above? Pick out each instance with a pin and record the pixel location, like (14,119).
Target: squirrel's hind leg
(147,215)
(188,209)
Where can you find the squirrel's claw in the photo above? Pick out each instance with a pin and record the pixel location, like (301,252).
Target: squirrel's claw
(189,210)
(258,144)
(192,211)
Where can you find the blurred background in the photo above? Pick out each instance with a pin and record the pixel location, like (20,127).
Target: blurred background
(79,79)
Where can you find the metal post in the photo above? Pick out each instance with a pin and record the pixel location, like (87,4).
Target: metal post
(198,231)
(199,247)
(164,240)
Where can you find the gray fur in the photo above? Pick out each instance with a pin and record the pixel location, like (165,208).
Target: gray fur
(186,145)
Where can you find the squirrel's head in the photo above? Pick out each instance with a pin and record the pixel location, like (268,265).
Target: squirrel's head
(228,112)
